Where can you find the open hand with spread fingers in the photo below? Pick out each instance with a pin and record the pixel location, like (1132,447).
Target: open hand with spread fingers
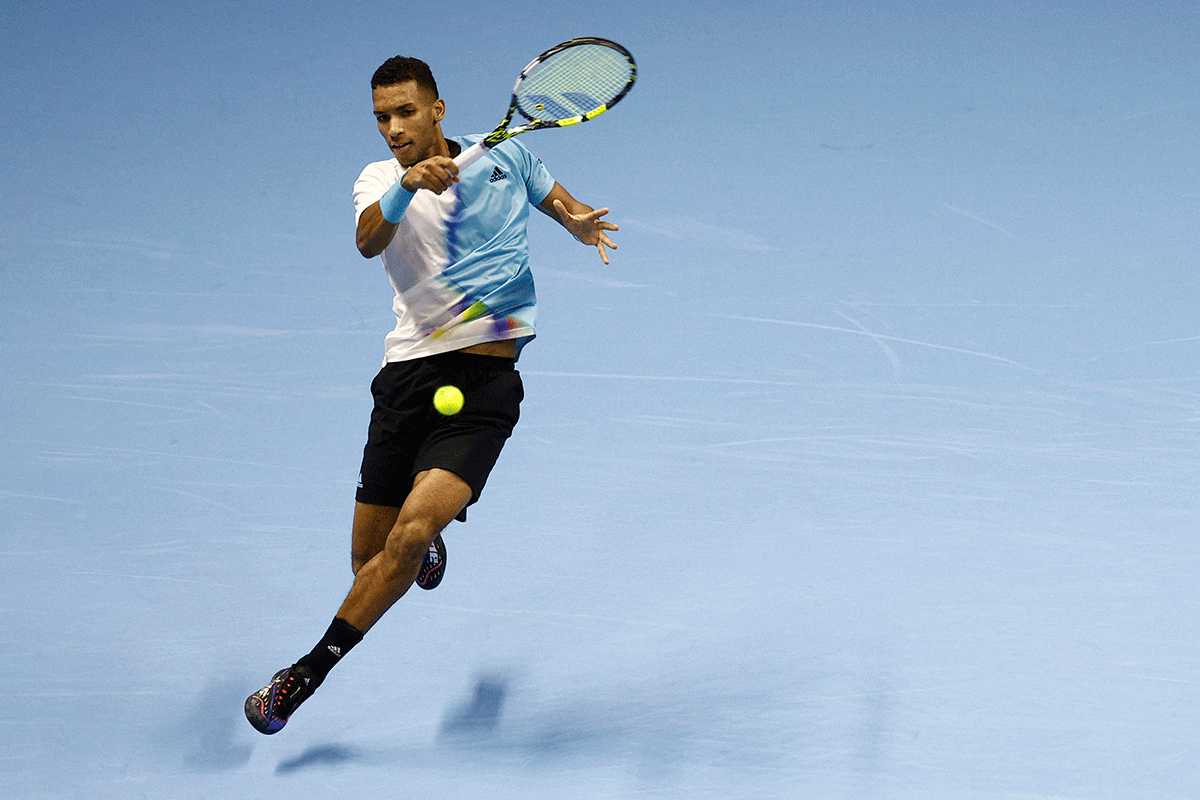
(588,227)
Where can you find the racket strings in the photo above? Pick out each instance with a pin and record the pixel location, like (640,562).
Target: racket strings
(574,82)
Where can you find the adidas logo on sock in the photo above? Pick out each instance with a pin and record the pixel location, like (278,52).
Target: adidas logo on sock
(497,175)
(337,651)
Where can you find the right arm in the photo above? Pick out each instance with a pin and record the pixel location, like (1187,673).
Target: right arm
(375,229)
(374,232)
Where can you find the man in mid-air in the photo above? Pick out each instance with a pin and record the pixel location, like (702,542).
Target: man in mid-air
(454,246)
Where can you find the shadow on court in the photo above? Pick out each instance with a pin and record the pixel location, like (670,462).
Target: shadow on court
(323,755)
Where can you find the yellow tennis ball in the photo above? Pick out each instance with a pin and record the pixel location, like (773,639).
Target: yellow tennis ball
(448,400)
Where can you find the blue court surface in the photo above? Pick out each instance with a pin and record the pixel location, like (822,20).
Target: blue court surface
(868,469)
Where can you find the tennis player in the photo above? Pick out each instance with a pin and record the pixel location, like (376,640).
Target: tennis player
(454,246)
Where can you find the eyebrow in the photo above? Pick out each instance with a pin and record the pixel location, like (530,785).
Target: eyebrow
(397,108)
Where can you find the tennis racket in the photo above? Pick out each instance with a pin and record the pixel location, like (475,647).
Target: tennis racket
(568,84)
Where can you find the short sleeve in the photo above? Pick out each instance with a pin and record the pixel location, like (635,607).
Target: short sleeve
(538,180)
(372,183)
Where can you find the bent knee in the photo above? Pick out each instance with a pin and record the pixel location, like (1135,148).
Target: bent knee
(409,542)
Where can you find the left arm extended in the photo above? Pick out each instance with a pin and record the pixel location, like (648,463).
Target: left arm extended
(581,220)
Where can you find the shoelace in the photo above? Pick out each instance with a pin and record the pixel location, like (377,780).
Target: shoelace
(286,686)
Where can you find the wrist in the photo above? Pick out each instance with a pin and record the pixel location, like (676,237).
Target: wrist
(395,202)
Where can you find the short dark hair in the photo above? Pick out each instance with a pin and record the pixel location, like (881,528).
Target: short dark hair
(401,69)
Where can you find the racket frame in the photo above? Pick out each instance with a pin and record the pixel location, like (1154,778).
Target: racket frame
(503,132)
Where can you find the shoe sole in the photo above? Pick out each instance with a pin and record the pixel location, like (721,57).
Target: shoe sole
(256,716)
(431,575)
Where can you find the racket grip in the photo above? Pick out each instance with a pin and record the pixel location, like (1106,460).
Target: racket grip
(469,156)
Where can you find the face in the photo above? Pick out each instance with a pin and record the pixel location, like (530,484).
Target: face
(409,118)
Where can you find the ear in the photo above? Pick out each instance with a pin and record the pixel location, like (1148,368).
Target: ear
(439,110)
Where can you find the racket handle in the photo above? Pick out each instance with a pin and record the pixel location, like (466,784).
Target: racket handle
(469,156)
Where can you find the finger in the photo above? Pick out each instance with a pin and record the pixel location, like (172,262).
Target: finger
(603,254)
(592,216)
(434,185)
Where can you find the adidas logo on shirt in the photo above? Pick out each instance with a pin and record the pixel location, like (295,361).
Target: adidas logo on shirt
(497,175)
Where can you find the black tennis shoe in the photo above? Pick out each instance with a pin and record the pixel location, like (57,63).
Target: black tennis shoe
(434,565)
(269,708)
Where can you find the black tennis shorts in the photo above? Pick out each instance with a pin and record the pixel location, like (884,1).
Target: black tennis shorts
(407,435)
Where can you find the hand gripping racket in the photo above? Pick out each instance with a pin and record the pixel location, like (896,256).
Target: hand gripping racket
(568,84)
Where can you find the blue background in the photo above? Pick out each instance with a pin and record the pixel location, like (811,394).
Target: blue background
(868,469)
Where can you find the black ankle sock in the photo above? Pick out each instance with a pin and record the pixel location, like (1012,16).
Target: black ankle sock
(337,641)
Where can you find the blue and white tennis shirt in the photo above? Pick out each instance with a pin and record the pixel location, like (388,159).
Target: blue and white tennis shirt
(459,262)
